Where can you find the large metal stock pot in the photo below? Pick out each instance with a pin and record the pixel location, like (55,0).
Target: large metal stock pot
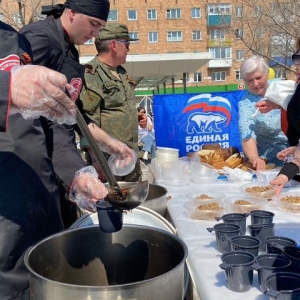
(135,263)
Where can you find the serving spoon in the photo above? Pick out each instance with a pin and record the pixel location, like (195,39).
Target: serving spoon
(125,199)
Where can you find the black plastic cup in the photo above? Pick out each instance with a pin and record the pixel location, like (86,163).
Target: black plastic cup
(222,232)
(110,217)
(275,242)
(235,218)
(267,264)
(261,231)
(293,253)
(261,217)
(238,270)
(245,243)
(283,286)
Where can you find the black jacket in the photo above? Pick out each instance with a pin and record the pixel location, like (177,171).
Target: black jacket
(31,151)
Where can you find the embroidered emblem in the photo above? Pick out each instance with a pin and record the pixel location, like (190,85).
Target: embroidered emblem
(9,61)
(77,84)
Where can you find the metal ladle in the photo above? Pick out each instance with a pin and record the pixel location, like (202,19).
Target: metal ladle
(127,199)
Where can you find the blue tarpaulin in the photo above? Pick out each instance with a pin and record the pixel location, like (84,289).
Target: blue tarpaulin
(187,121)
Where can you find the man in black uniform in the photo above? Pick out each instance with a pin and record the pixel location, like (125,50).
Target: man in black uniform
(30,156)
(53,45)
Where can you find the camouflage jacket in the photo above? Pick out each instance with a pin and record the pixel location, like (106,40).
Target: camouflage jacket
(110,102)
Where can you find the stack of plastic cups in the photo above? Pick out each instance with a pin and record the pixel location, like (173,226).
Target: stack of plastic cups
(166,154)
(162,155)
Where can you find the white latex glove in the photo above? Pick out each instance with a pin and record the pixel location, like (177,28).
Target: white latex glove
(38,91)
(87,189)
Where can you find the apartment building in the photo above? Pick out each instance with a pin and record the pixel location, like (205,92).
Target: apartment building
(179,26)
(225,29)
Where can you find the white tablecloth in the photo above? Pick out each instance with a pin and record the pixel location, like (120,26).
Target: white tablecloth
(203,258)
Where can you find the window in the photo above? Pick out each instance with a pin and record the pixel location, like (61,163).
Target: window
(89,42)
(284,12)
(38,17)
(238,11)
(258,9)
(174,36)
(238,75)
(220,52)
(239,54)
(151,14)
(113,15)
(196,13)
(153,37)
(282,45)
(133,35)
(239,33)
(279,73)
(219,9)
(217,34)
(174,13)
(132,14)
(196,35)
(258,33)
(218,76)
(17,18)
(198,77)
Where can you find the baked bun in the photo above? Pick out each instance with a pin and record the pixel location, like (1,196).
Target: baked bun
(234,160)
(219,165)
(211,156)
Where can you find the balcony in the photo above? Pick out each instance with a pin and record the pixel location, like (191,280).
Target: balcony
(218,20)
(220,43)
(220,63)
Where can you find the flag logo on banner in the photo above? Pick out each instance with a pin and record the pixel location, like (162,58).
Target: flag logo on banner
(215,111)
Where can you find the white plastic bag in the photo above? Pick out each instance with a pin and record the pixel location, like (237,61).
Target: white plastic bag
(281,92)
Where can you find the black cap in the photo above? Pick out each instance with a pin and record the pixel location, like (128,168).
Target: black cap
(94,8)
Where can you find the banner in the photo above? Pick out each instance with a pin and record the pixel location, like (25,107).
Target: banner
(187,121)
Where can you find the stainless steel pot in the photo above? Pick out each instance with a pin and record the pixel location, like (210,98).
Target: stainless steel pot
(135,263)
(156,199)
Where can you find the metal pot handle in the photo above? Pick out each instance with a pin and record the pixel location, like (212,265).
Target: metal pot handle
(210,229)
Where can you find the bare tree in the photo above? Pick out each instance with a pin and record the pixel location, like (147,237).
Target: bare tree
(17,13)
(268,28)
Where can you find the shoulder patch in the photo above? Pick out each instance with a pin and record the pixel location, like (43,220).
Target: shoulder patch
(9,61)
